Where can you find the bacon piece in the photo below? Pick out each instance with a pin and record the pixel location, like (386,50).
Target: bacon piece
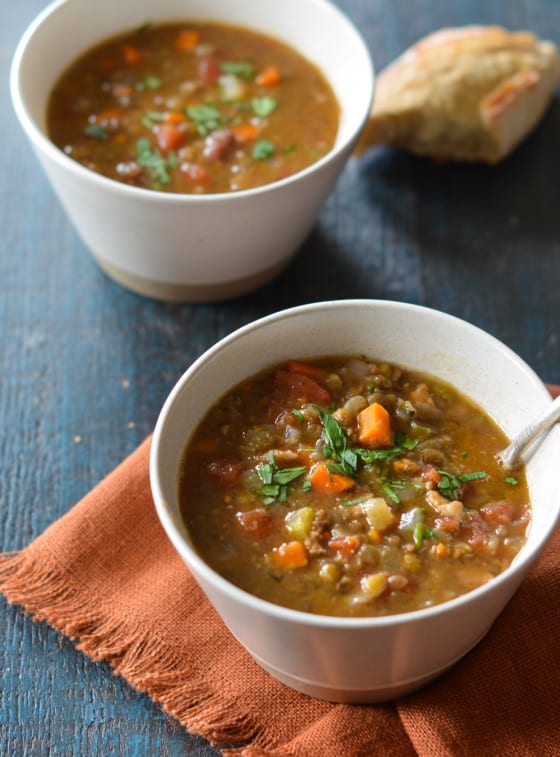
(219,145)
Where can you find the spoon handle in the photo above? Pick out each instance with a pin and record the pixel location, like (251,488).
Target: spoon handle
(509,457)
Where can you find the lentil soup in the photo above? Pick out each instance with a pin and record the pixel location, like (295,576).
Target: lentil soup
(347,486)
(193,108)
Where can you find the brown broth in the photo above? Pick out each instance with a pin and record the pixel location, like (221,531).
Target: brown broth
(193,108)
(423,516)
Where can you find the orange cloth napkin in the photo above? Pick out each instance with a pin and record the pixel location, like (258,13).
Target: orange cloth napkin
(106,576)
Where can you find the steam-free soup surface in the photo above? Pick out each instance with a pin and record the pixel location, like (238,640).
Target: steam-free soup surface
(193,108)
(348,486)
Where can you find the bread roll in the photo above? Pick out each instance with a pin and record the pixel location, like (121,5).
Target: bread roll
(471,94)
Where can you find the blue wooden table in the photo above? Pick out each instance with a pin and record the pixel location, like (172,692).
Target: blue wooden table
(86,365)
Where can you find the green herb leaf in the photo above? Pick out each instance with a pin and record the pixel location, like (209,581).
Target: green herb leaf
(450,485)
(152,160)
(276,479)
(299,415)
(285,475)
(206,118)
(242,68)
(420,533)
(95,131)
(390,492)
(151,118)
(289,148)
(152,82)
(263,106)
(350,502)
(263,149)
(512,480)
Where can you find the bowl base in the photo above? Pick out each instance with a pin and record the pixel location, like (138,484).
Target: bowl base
(382,693)
(171,292)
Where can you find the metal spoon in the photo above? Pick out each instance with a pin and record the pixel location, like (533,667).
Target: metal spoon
(509,457)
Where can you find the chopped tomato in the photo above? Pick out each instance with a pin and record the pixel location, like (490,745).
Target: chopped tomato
(498,512)
(227,471)
(208,70)
(301,387)
(195,171)
(256,524)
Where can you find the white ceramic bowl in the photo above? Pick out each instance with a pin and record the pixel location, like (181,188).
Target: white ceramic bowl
(364,659)
(187,247)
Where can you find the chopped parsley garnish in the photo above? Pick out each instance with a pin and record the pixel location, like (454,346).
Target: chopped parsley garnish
(95,131)
(389,489)
(150,82)
(263,106)
(206,118)
(153,161)
(336,447)
(450,485)
(275,480)
(512,480)
(350,502)
(346,459)
(242,68)
(263,150)
(298,414)
(420,533)
(151,118)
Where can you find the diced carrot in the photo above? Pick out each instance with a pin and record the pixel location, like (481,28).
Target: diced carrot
(187,40)
(346,545)
(307,369)
(172,117)
(268,77)
(374,536)
(169,137)
(245,132)
(323,480)
(132,55)
(374,426)
(440,550)
(290,555)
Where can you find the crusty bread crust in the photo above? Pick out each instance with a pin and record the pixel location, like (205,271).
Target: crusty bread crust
(471,93)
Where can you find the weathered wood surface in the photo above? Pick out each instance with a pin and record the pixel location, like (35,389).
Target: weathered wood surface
(83,359)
